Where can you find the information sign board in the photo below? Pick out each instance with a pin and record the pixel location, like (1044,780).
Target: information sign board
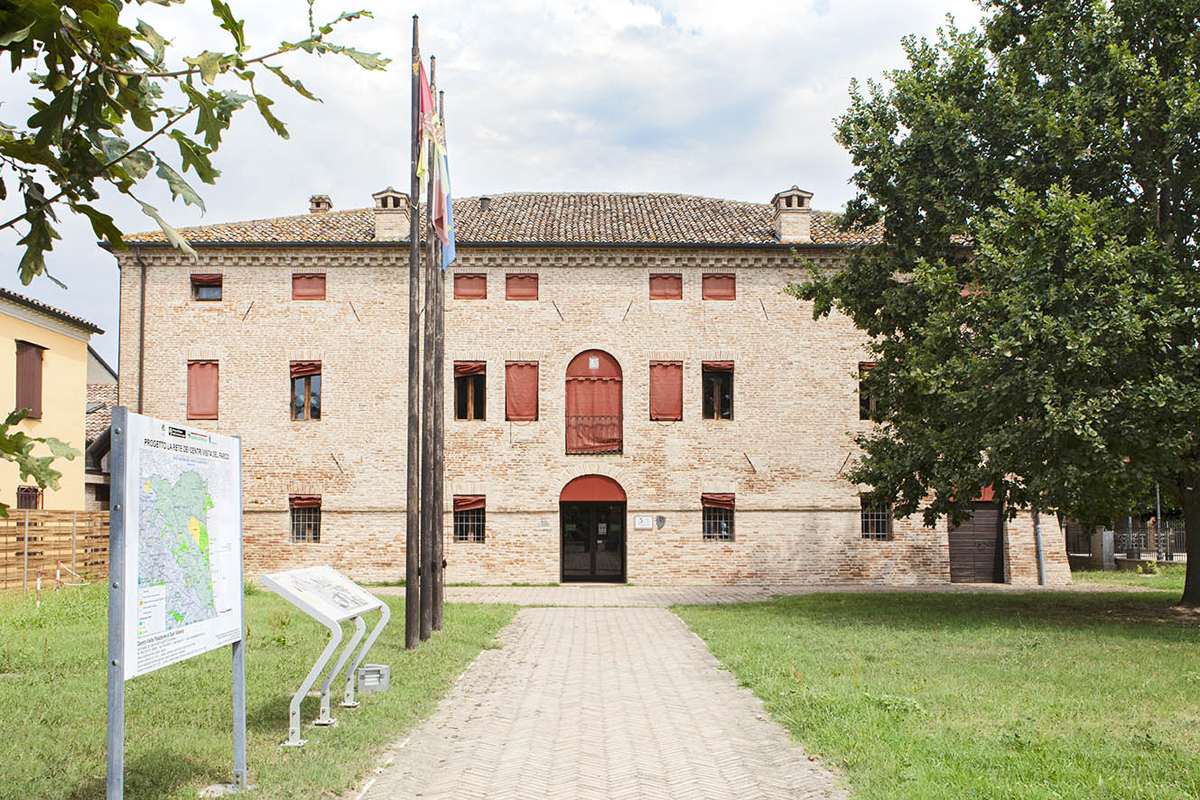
(183,556)
(325,591)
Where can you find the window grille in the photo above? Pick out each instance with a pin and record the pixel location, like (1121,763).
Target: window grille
(876,520)
(718,524)
(306,524)
(29,497)
(469,525)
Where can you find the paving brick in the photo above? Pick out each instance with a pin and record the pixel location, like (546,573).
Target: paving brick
(600,703)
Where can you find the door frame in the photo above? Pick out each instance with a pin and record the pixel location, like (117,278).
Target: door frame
(623,578)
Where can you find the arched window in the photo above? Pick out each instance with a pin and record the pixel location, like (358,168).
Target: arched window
(593,404)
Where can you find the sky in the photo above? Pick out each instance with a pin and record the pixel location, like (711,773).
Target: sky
(703,97)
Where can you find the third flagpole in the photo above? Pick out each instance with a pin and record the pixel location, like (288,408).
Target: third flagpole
(439,405)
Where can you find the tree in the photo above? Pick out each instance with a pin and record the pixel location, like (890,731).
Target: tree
(1034,306)
(93,77)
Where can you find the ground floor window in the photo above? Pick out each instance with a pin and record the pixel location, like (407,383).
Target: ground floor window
(469,518)
(718,516)
(876,519)
(305,517)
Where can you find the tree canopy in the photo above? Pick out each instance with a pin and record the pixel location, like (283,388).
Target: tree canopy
(107,97)
(108,102)
(1034,306)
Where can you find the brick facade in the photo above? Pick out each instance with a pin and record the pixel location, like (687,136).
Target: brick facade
(795,410)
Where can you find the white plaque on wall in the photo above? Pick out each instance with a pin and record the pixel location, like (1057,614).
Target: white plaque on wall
(643,522)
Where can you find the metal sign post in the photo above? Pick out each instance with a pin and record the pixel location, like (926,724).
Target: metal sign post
(175,565)
(331,598)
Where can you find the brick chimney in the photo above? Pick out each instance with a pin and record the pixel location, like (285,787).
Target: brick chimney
(319,204)
(391,215)
(792,219)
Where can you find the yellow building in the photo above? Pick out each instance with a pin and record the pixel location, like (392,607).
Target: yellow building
(44,367)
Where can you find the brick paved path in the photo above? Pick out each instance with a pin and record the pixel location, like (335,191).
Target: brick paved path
(599,703)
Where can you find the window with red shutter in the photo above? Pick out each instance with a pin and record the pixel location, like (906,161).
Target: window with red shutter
(666,390)
(203,389)
(470,397)
(719,286)
(521,391)
(306,389)
(470,286)
(666,286)
(521,287)
(717,388)
(308,286)
(206,286)
(305,513)
(29,378)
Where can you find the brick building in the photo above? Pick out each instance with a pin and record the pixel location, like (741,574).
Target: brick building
(630,393)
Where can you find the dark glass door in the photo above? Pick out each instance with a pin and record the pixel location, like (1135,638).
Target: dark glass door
(593,542)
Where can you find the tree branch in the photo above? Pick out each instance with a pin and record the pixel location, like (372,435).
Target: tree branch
(74,184)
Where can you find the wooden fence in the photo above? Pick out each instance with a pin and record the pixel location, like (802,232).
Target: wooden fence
(32,540)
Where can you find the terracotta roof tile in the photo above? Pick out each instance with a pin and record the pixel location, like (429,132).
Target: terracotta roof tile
(548,217)
(101,397)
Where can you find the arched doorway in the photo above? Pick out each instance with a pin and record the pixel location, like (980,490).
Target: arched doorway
(592,511)
(593,404)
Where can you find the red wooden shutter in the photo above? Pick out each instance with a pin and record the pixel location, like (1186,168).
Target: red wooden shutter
(468,502)
(308,286)
(203,389)
(301,368)
(206,279)
(666,287)
(717,500)
(666,390)
(29,378)
(462,368)
(470,286)
(521,391)
(719,286)
(717,366)
(521,287)
(304,501)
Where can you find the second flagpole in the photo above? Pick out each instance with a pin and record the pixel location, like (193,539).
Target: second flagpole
(412,500)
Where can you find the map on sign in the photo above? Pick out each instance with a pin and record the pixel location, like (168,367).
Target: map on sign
(323,591)
(183,555)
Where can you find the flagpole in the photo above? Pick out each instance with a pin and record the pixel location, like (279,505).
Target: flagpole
(439,406)
(427,510)
(412,581)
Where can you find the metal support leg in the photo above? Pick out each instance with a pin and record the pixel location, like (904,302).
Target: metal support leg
(335,638)
(360,628)
(385,615)
(239,714)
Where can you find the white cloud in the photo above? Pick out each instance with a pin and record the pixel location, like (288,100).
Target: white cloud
(695,96)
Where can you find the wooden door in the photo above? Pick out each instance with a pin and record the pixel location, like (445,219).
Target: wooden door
(977,547)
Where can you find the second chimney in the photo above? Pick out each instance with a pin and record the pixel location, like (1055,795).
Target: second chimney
(391,215)
(319,204)
(792,217)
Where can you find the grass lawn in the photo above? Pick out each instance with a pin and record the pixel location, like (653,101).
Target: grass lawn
(1169,578)
(179,720)
(954,695)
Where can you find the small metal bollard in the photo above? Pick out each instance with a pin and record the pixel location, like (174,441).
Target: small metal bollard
(374,678)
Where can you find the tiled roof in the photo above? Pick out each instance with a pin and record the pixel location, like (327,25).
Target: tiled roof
(57,313)
(101,397)
(550,218)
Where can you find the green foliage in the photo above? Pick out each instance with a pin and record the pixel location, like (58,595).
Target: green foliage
(1032,307)
(18,447)
(96,73)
